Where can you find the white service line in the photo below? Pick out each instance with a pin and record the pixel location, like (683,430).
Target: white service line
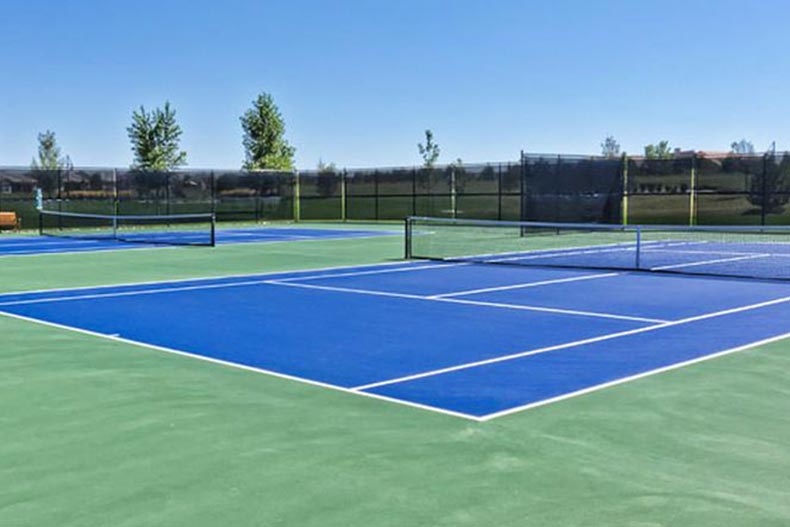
(468,302)
(524,285)
(631,378)
(573,344)
(240,366)
(708,262)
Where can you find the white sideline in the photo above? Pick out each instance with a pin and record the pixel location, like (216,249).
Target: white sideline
(259,281)
(631,378)
(220,244)
(234,365)
(219,277)
(573,344)
(467,302)
(165,290)
(376,271)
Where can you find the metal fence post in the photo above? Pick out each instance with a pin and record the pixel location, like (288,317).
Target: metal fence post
(116,195)
(414,191)
(522,176)
(343,197)
(764,190)
(693,191)
(625,191)
(297,213)
(376,194)
(499,191)
(453,193)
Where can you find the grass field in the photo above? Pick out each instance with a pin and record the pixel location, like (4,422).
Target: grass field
(97,433)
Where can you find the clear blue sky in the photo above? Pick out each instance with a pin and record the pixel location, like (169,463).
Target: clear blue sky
(359,81)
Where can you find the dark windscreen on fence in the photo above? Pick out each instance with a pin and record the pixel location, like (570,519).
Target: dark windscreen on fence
(659,191)
(685,189)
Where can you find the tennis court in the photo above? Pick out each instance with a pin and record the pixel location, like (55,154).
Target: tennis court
(87,241)
(330,380)
(473,339)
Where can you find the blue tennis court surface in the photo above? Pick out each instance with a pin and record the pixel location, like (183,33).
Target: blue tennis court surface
(472,340)
(28,245)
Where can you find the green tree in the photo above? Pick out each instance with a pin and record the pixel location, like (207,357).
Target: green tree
(742,147)
(265,146)
(49,157)
(325,167)
(155,138)
(429,151)
(610,148)
(660,150)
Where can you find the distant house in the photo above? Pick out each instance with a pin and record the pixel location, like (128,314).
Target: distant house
(16,183)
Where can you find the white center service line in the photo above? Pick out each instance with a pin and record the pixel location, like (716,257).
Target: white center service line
(574,344)
(469,302)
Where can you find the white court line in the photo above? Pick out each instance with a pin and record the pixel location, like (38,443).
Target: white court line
(517,307)
(86,250)
(163,290)
(575,251)
(556,250)
(161,246)
(524,285)
(119,294)
(240,366)
(719,253)
(573,344)
(375,271)
(708,262)
(211,278)
(560,254)
(49,242)
(631,378)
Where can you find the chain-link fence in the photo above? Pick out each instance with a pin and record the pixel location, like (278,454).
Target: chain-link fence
(692,189)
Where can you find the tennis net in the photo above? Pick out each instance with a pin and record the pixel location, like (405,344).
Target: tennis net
(173,229)
(736,251)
